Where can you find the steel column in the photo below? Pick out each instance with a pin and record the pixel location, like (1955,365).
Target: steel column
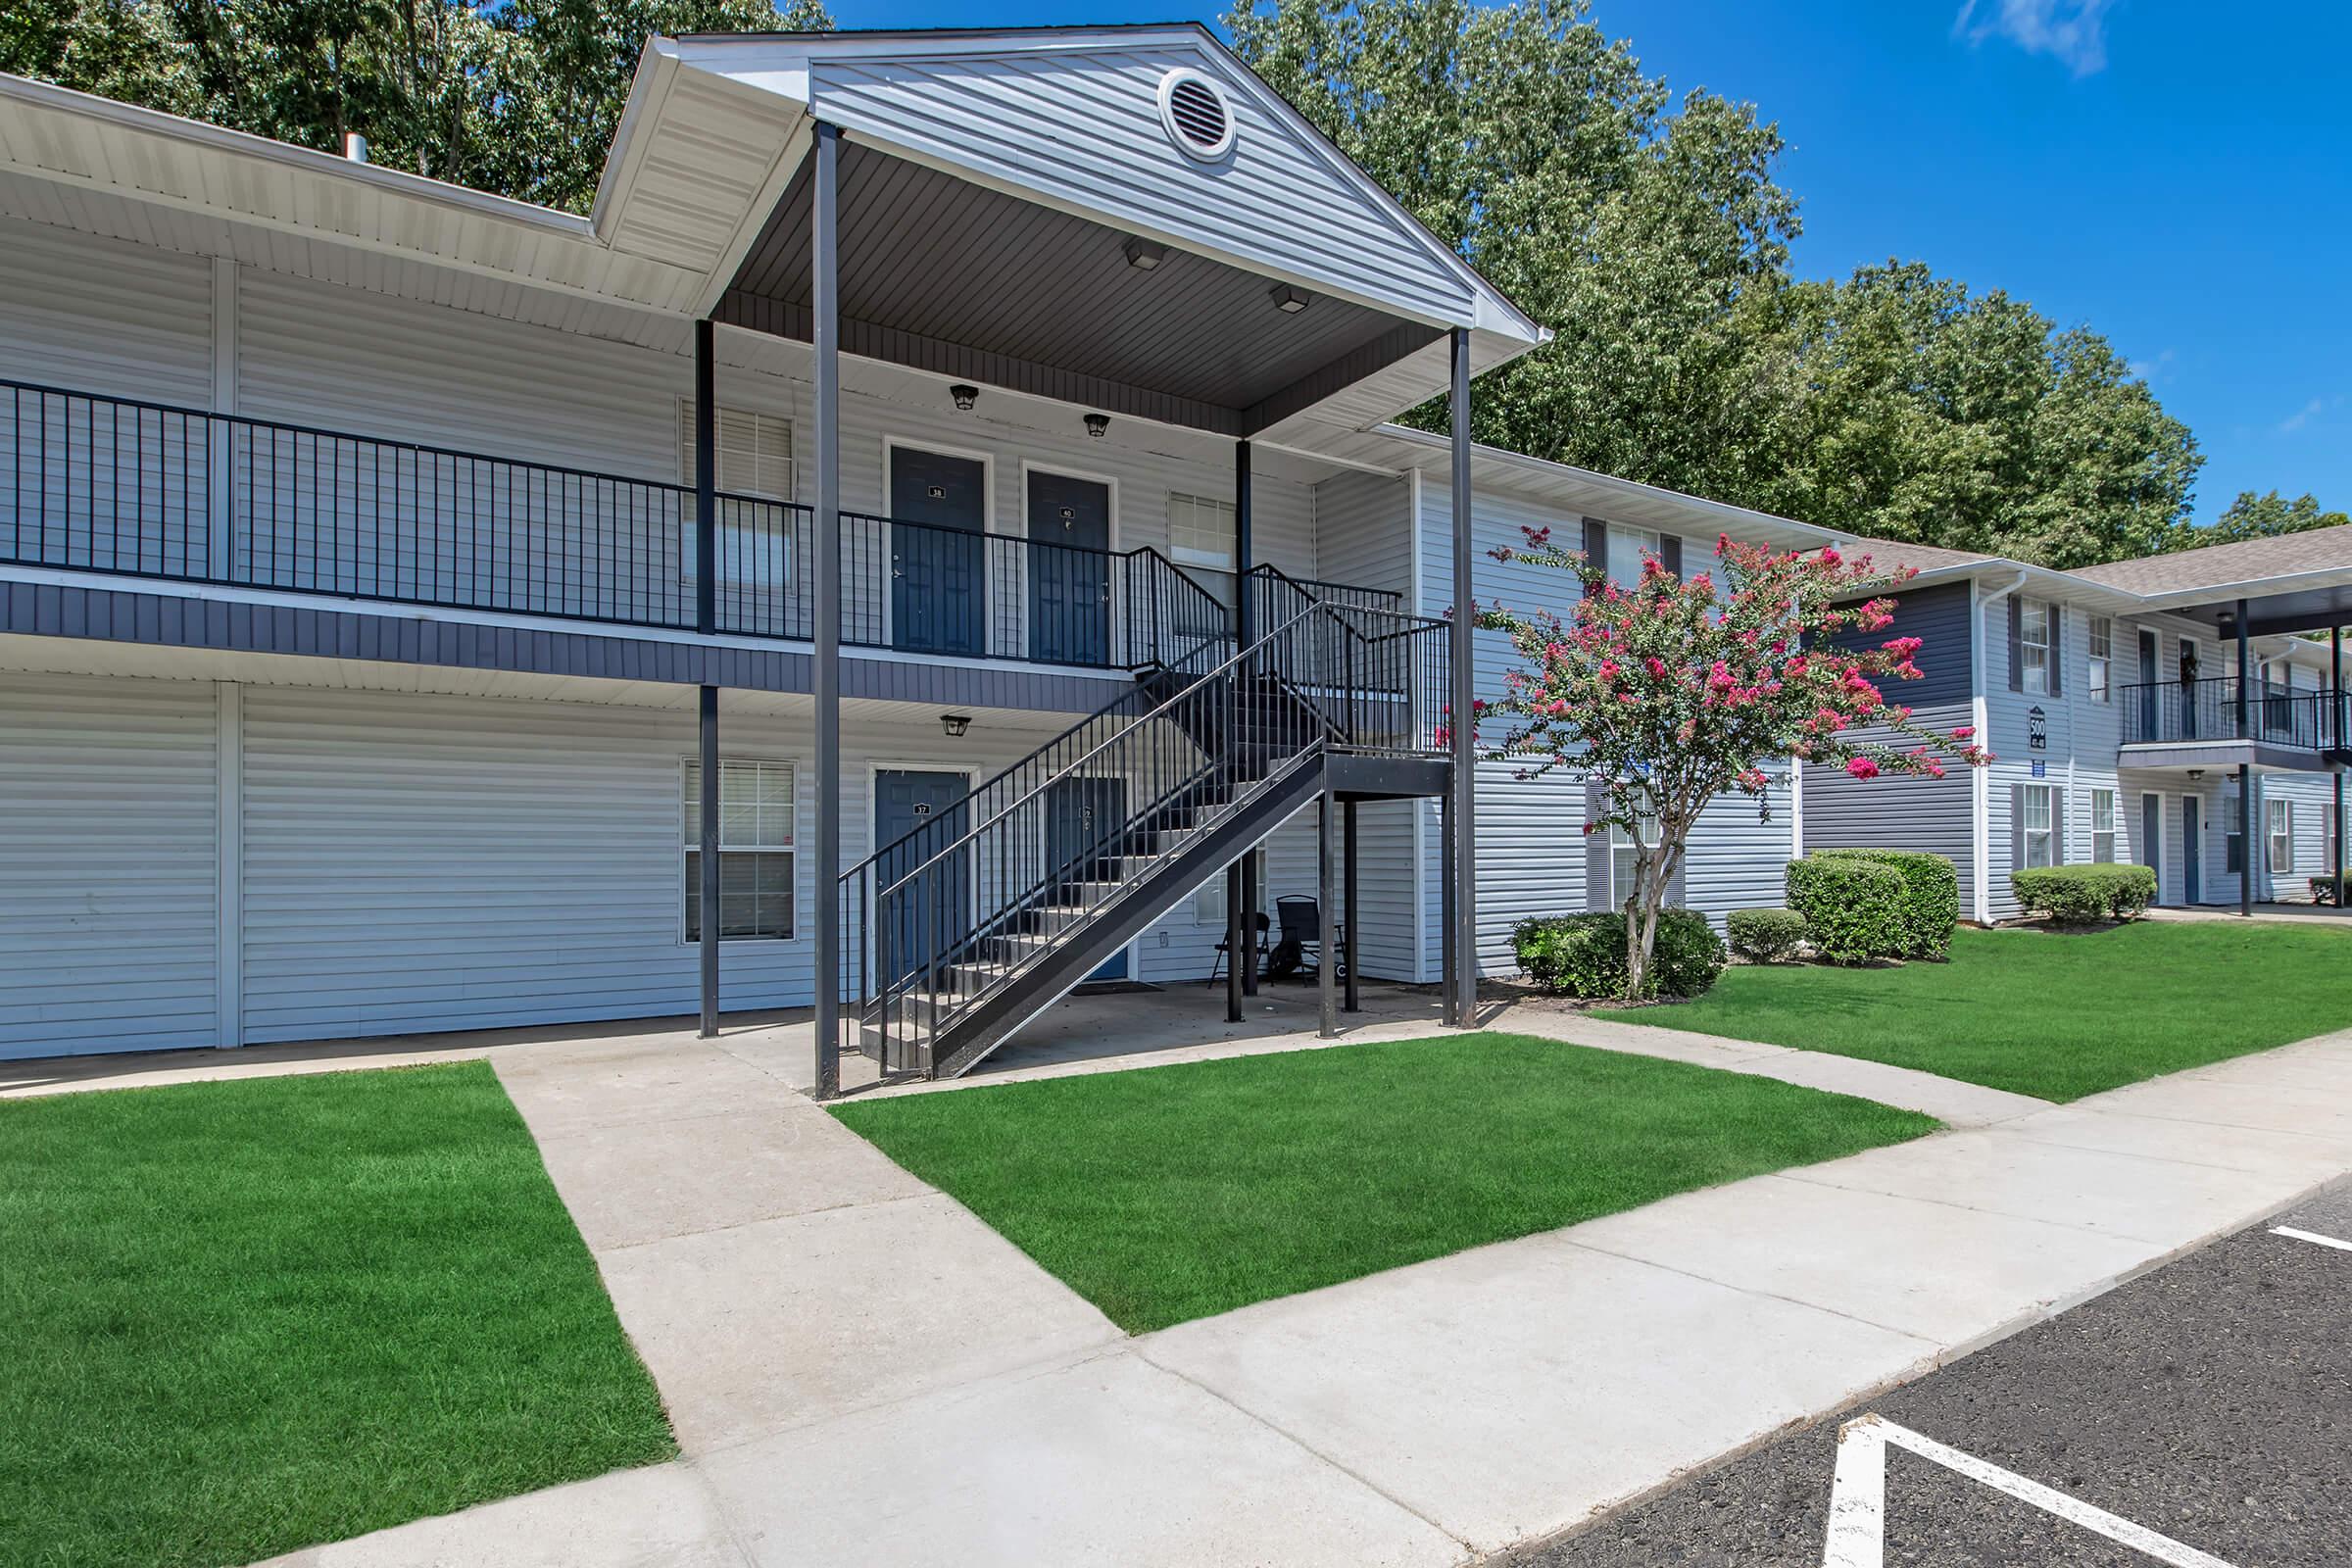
(1353,1000)
(1238,952)
(1464,920)
(2336,740)
(706,848)
(2245,676)
(1242,543)
(825,338)
(1249,913)
(1326,943)
(2245,840)
(1446,971)
(705,480)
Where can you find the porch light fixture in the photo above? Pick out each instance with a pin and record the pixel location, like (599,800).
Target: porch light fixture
(1289,299)
(965,396)
(955,724)
(1097,424)
(1144,254)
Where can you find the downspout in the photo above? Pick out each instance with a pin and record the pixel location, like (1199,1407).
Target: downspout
(1980,716)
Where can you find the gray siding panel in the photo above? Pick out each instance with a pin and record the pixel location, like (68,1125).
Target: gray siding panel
(1938,617)
(1895,812)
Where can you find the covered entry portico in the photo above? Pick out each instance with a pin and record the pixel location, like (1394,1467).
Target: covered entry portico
(1121,220)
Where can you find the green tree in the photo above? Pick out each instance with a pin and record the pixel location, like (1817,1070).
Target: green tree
(2263,517)
(520,97)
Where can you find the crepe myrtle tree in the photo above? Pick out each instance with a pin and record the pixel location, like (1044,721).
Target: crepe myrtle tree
(1671,693)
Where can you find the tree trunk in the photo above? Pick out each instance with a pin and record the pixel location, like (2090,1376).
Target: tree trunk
(1654,873)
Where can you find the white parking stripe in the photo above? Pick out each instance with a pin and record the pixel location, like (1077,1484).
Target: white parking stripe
(2311,1235)
(1858,1499)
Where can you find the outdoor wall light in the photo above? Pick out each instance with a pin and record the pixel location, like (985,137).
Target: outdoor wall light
(955,724)
(965,396)
(1144,254)
(1289,299)
(1097,424)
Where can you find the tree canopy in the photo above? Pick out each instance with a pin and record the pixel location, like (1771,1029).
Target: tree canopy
(1653,237)
(520,97)
(2266,517)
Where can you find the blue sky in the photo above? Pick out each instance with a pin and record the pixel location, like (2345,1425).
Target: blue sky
(2178,177)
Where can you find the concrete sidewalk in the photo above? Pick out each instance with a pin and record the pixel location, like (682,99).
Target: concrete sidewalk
(862,1372)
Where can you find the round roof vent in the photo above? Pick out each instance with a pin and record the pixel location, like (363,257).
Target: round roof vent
(1197,114)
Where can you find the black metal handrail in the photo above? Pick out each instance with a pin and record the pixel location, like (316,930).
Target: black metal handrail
(964,904)
(118,485)
(2298,717)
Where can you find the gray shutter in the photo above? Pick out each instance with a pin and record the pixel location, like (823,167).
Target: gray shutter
(1597,854)
(1596,544)
(1670,552)
(2017,645)
(2057,649)
(2016,825)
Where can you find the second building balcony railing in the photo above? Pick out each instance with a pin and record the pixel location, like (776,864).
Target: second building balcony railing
(2297,718)
(115,485)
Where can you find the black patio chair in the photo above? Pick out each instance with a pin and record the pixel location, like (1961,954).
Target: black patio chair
(1302,921)
(1257,947)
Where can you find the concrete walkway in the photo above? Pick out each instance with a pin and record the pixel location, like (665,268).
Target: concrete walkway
(862,1372)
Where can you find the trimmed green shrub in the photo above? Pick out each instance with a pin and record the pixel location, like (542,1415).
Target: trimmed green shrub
(2085,895)
(1930,910)
(1584,954)
(1766,936)
(1851,906)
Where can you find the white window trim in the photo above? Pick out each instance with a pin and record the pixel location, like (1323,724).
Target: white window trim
(1625,564)
(747,540)
(2099,676)
(688,767)
(2103,855)
(2047,795)
(2278,824)
(2033,679)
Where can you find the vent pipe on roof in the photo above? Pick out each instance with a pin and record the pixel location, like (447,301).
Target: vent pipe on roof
(354,146)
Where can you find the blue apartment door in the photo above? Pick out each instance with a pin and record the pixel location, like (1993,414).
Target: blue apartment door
(1083,840)
(939,521)
(1069,569)
(2192,861)
(918,814)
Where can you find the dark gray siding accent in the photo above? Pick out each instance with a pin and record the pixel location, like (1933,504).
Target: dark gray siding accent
(51,610)
(1931,814)
(1938,617)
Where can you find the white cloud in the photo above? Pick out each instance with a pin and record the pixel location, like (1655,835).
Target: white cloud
(2072,32)
(2154,369)
(2300,418)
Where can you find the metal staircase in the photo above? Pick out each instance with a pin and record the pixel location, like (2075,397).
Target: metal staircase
(963,930)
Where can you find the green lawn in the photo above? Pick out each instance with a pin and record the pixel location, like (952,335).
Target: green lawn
(238,1318)
(1173,1193)
(2046,1014)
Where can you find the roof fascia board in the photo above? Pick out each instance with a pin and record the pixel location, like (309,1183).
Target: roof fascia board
(2250,588)
(648,89)
(304,160)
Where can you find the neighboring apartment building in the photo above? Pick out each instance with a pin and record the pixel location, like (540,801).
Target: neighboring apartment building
(359,674)
(2112,699)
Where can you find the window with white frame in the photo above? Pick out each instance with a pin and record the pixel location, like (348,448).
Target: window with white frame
(2102,659)
(755,848)
(2330,831)
(2033,646)
(1627,547)
(2279,820)
(2233,845)
(2102,826)
(2041,826)
(1625,853)
(754,461)
(1200,535)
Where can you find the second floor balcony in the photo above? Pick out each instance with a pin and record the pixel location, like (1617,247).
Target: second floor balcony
(2194,713)
(117,486)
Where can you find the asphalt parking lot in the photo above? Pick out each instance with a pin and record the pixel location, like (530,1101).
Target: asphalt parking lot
(2210,1401)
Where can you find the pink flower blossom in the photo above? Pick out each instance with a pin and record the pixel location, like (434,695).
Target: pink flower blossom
(1964,732)
(1862,767)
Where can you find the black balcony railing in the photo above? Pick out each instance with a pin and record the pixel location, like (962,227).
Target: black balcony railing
(115,485)
(2295,717)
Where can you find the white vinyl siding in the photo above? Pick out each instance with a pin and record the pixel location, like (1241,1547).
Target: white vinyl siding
(109,864)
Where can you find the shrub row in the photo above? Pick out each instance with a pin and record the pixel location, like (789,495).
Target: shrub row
(1584,954)
(2083,895)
